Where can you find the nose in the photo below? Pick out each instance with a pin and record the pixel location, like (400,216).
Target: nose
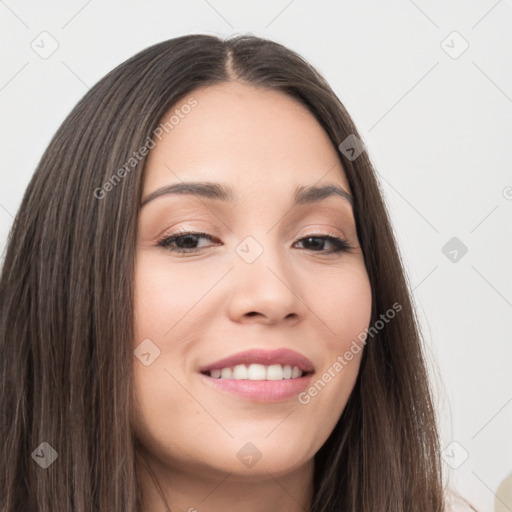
(267,290)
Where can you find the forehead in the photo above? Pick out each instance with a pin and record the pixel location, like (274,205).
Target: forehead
(251,137)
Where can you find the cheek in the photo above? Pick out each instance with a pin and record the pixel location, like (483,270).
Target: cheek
(343,304)
(345,310)
(164,294)
(163,298)
(350,318)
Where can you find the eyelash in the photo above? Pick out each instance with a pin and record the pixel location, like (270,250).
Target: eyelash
(341,245)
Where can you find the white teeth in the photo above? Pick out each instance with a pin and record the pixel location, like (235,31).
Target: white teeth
(296,372)
(287,371)
(240,371)
(226,373)
(257,372)
(275,372)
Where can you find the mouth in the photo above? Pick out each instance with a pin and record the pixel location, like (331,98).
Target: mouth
(256,371)
(260,375)
(258,364)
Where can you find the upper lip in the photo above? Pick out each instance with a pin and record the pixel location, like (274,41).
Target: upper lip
(282,356)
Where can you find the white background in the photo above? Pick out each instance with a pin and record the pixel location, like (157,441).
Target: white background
(438,129)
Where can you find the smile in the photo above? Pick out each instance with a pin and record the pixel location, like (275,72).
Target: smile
(257,372)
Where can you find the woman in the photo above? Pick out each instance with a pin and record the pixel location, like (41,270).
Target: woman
(203,305)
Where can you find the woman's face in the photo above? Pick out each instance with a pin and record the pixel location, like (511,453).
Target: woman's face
(262,278)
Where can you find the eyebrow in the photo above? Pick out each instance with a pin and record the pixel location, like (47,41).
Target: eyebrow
(303,195)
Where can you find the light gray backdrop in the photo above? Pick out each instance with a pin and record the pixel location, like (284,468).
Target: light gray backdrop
(429,85)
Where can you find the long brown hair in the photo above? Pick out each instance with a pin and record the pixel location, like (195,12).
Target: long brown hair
(66,302)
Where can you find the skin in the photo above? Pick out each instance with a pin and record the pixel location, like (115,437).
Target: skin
(204,306)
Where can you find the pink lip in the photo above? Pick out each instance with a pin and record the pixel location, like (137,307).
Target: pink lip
(261,390)
(282,356)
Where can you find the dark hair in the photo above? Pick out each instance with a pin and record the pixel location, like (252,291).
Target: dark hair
(66,302)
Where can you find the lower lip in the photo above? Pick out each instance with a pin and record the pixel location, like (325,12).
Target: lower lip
(261,390)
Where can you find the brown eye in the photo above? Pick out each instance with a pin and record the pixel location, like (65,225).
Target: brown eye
(183,242)
(339,244)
